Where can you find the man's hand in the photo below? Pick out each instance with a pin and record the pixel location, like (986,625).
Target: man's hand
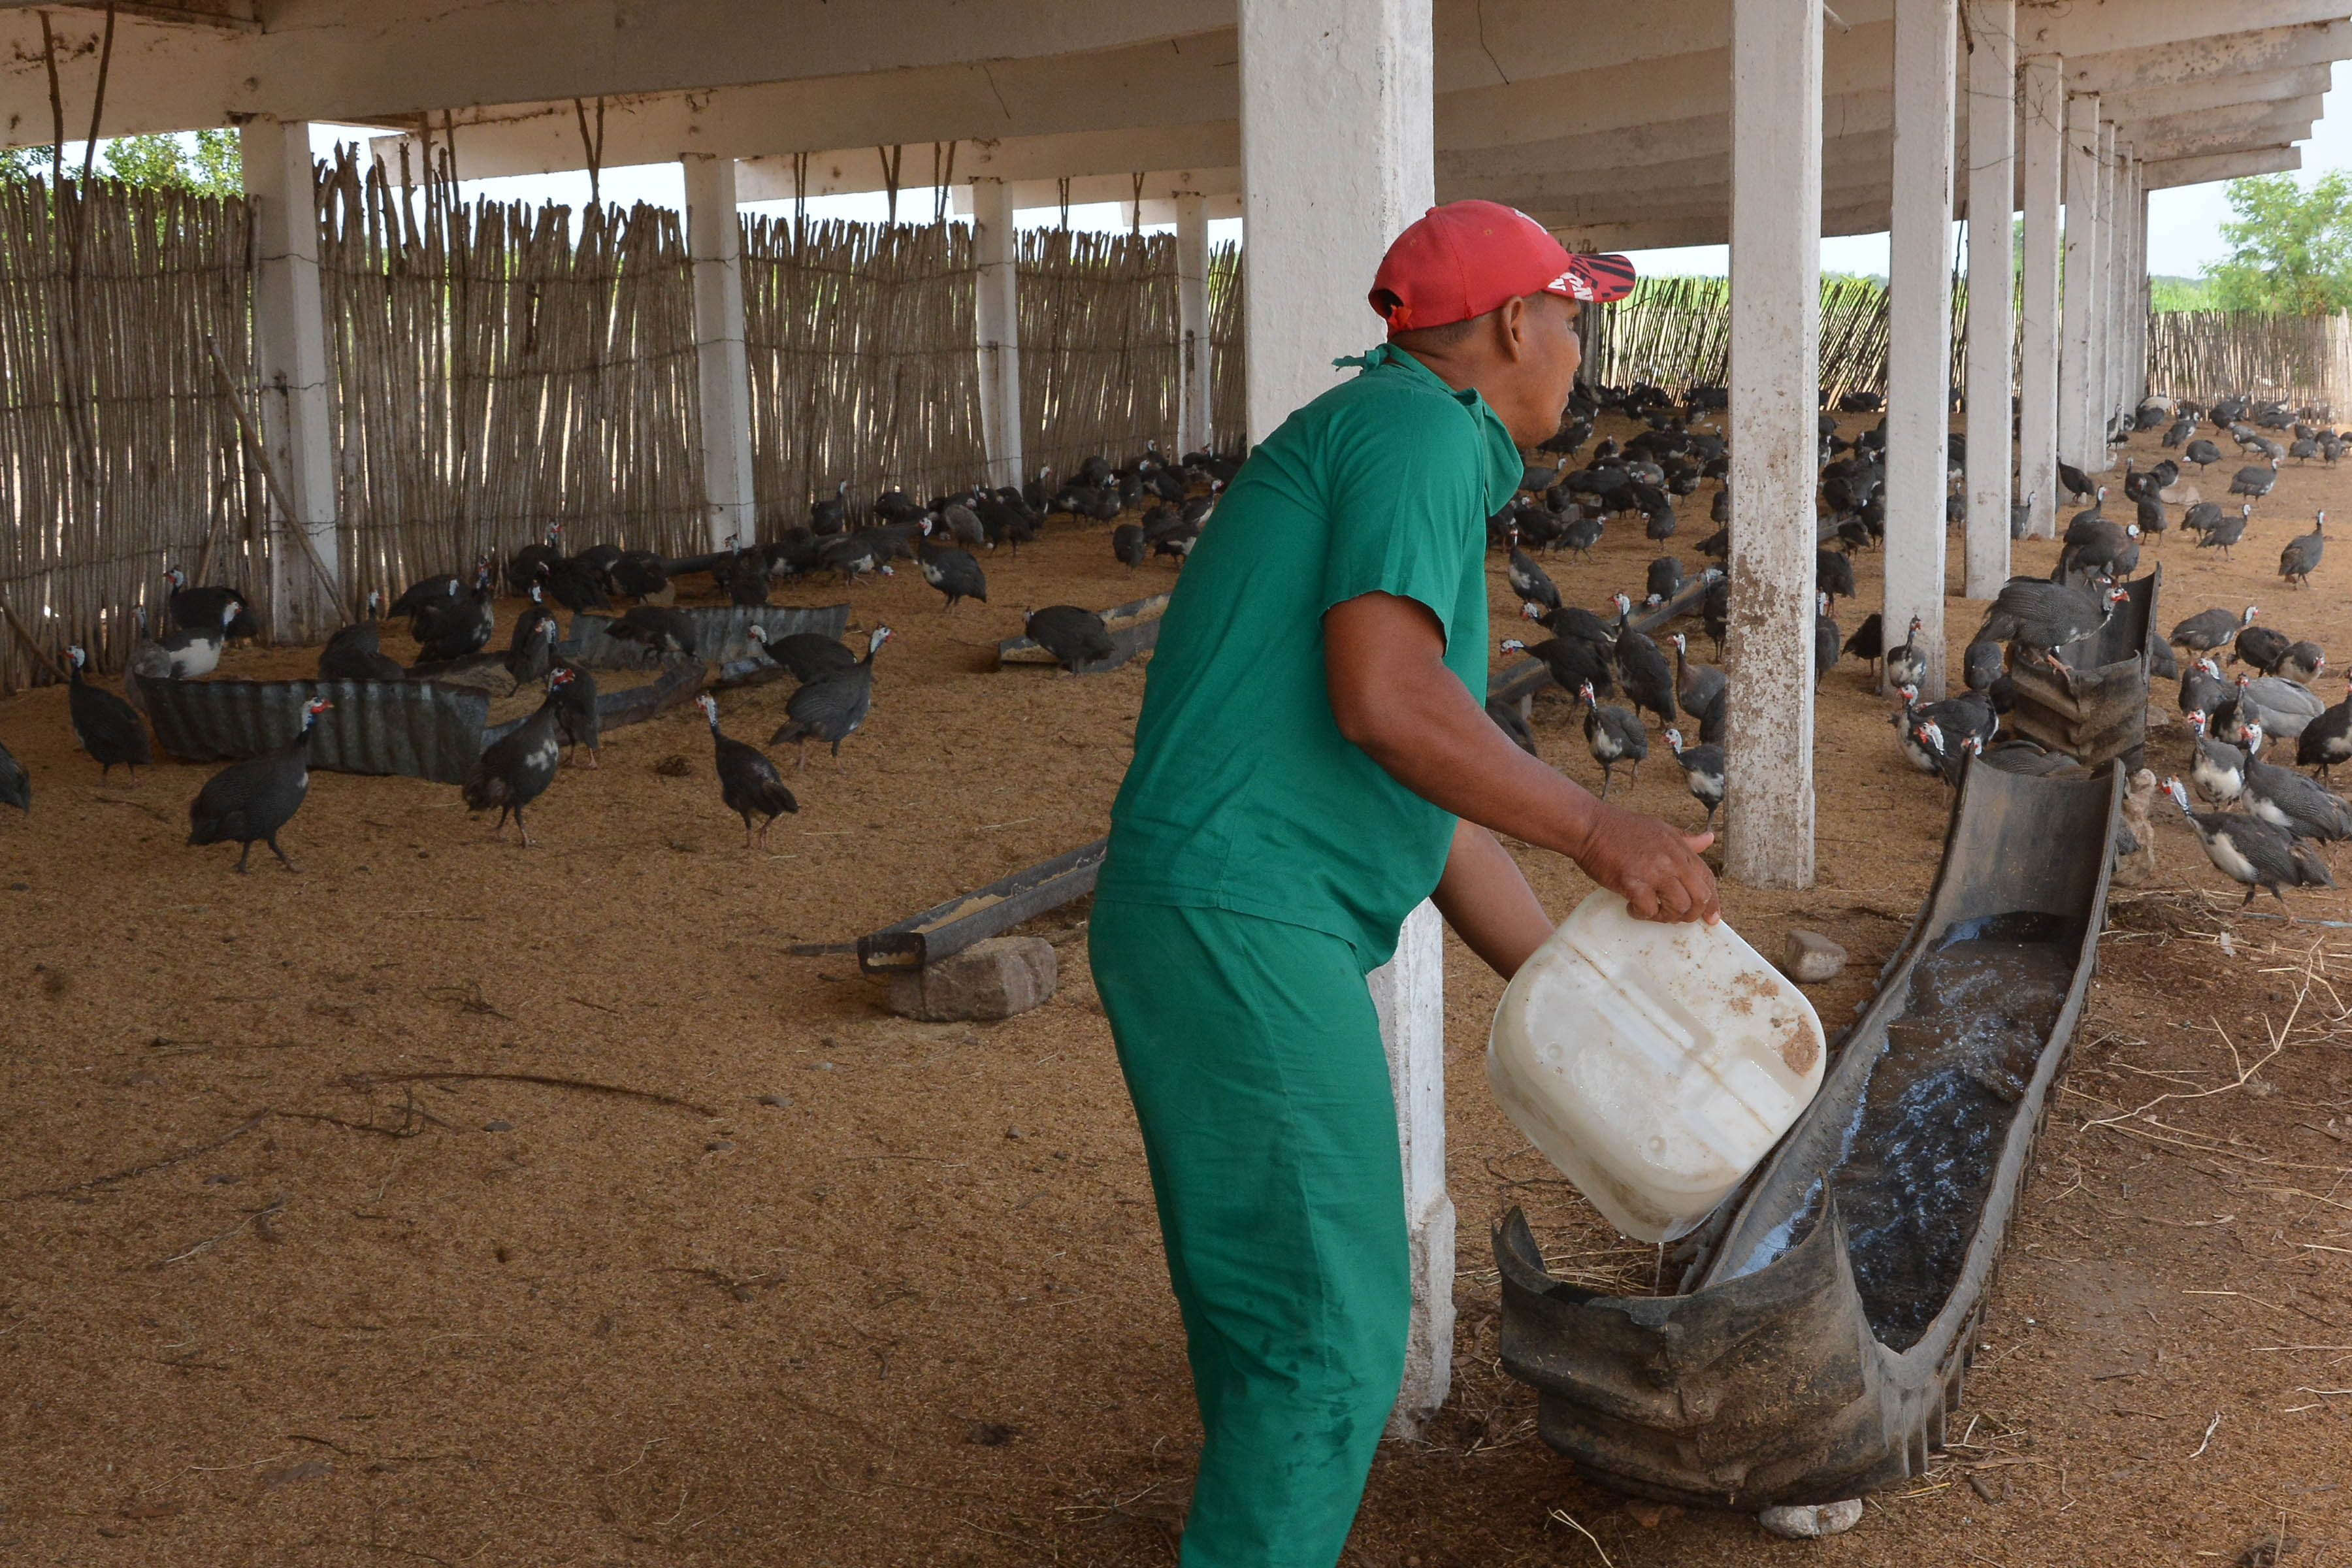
(1655,869)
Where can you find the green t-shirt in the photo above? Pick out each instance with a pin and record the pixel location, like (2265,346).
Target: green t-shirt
(1243,795)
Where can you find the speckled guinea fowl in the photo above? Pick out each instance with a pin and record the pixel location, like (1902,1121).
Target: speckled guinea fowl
(955,572)
(193,653)
(17,785)
(515,769)
(107,726)
(249,801)
(1612,735)
(2251,852)
(2217,769)
(1506,719)
(1704,771)
(530,652)
(145,664)
(1072,635)
(2282,707)
(2037,618)
(656,628)
(1573,661)
(2284,798)
(747,781)
(1528,580)
(2300,558)
(1869,640)
(1826,638)
(454,629)
(834,706)
(809,655)
(2325,743)
(2208,629)
(577,721)
(1702,690)
(355,653)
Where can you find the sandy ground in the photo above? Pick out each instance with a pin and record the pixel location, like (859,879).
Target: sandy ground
(298,1265)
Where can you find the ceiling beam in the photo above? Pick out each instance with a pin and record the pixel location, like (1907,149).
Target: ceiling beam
(2169,65)
(2170,173)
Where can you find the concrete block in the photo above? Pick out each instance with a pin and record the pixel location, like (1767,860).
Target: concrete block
(991,979)
(1810,957)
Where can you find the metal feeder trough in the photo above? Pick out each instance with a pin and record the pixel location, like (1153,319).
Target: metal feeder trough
(1826,1313)
(2101,711)
(950,928)
(414,728)
(1133,626)
(721,633)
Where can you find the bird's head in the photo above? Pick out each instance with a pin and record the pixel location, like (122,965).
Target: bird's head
(1674,739)
(76,657)
(1820,604)
(709,706)
(2244,681)
(376,600)
(1682,644)
(174,576)
(1624,605)
(1513,644)
(2131,531)
(1929,734)
(559,677)
(2118,594)
(230,612)
(316,706)
(2196,719)
(555,531)
(1909,692)
(756,633)
(2254,741)
(536,596)
(1973,745)
(2178,793)
(843,488)
(1916,622)
(2251,611)
(881,635)
(547,629)
(2103,492)
(1652,602)
(1531,610)
(1584,694)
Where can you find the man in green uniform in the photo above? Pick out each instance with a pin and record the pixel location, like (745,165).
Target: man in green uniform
(1314,759)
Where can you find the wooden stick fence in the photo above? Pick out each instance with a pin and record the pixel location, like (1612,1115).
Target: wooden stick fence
(1101,350)
(2208,355)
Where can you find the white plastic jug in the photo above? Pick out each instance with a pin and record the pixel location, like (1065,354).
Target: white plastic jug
(1656,1065)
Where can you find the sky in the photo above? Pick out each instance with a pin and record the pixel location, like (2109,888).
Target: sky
(2184,225)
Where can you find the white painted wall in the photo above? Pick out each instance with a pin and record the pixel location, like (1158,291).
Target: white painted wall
(290,350)
(1776,97)
(714,242)
(1919,331)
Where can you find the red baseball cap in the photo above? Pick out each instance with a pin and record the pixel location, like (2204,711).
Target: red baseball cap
(1465,258)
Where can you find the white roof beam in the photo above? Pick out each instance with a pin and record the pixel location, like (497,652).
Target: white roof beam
(1159,185)
(2165,174)
(2170,65)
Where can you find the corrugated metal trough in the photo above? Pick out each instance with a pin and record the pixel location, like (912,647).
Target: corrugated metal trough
(414,728)
(1133,626)
(721,633)
(950,928)
(631,704)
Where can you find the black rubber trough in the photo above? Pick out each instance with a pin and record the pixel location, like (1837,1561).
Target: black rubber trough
(2099,709)
(414,727)
(1133,626)
(1519,680)
(950,928)
(722,633)
(1828,1310)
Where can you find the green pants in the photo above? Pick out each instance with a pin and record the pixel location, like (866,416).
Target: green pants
(1253,1056)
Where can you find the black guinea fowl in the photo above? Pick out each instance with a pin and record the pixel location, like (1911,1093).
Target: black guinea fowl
(2262,647)
(458,628)
(955,572)
(1506,719)
(809,655)
(658,629)
(104,723)
(1832,575)
(1703,691)
(532,562)
(1529,581)
(2040,617)
(747,781)
(201,608)
(516,768)
(249,801)
(1648,679)
(1127,544)
(1827,638)
(2300,558)
(578,720)
(2284,798)
(1704,770)
(834,706)
(1665,579)
(2252,852)
(573,583)
(1869,640)
(2255,479)
(530,651)
(1072,635)
(2208,629)
(355,652)
(640,574)
(2224,531)
(17,785)
(2325,743)
(831,515)
(1612,735)
(1573,661)
(747,581)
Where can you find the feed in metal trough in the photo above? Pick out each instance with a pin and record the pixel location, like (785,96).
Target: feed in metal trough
(950,928)
(722,633)
(1133,626)
(2100,711)
(1828,1310)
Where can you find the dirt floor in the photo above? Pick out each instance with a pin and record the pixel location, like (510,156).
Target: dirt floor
(454,1203)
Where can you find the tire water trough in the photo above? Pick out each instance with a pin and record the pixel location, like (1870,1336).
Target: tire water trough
(1826,1313)
(2099,709)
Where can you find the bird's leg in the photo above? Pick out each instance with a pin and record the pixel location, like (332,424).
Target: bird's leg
(746,830)
(242,858)
(2254,889)
(800,747)
(499,832)
(1604,781)
(524,826)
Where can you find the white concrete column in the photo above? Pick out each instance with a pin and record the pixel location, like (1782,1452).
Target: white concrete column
(2102,411)
(714,244)
(998,329)
(1776,305)
(1321,75)
(1920,332)
(1993,193)
(2075,437)
(2041,93)
(290,350)
(1194,410)
(2135,386)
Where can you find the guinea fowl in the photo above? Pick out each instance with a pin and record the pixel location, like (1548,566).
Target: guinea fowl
(1702,689)
(831,516)
(2152,517)
(515,769)
(2284,798)
(251,800)
(200,609)
(2280,706)
(573,583)
(1969,713)
(1869,640)
(656,628)
(145,664)
(747,581)
(1826,638)
(2208,629)
(1073,636)
(17,785)
(1573,661)
(2325,743)
(532,562)
(2302,661)
(1832,575)
(953,572)
(2202,690)
(1665,579)
(2300,558)
(2076,482)
(109,729)
(2251,852)
(2039,619)
(192,654)
(1529,581)
(853,555)
(1506,719)
(2204,454)
(355,652)
(1907,665)
(1127,544)
(747,781)
(2216,767)
(2255,479)
(2260,646)
(1704,771)
(458,628)
(809,655)
(1648,679)
(578,720)
(1612,735)
(832,708)
(530,651)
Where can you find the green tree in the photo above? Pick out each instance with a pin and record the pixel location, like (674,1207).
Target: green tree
(2291,248)
(205,161)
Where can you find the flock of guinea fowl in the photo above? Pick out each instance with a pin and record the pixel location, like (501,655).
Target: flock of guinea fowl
(2266,820)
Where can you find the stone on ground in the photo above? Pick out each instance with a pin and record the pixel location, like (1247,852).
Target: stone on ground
(989,980)
(1810,1521)
(1811,957)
